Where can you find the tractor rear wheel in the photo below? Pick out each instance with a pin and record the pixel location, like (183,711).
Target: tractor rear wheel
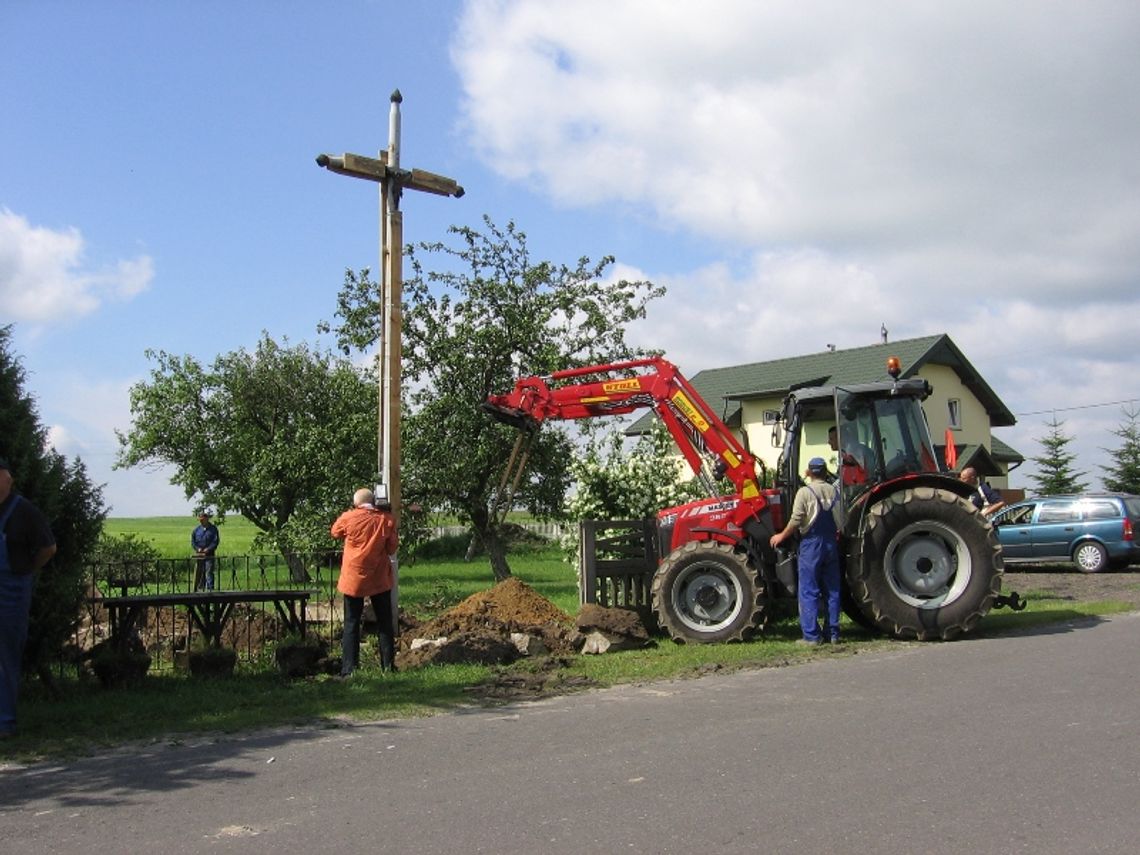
(927,566)
(704,591)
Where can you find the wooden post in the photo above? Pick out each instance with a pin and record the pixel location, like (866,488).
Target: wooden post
(393,180)
(393,322)
(382,423)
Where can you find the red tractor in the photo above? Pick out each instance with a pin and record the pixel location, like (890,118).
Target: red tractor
(920,561)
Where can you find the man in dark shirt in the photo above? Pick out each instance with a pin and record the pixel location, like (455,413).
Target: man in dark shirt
(26,545)
(985,498)
(204,541)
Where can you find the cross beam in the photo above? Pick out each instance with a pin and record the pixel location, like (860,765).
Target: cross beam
(385,170)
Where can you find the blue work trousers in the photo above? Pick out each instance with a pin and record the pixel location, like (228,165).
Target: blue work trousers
(15,603)
(819,581)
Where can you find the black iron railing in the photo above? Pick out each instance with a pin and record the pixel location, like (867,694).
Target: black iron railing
(252,628)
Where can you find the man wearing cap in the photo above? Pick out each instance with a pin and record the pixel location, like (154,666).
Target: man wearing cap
(369,535)
(204,540)
(26,545)
(815,513)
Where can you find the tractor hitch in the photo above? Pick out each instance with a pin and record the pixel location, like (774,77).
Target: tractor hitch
(1013,600)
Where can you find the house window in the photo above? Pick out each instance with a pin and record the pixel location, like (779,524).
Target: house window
(954,413)
(770,416)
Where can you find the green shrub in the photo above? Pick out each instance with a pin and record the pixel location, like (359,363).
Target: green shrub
(116,667)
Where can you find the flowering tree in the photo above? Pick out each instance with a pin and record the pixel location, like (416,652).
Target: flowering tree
(616,481)
(482,314)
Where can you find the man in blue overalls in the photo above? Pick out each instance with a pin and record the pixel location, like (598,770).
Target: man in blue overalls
(815,513)
(26,545)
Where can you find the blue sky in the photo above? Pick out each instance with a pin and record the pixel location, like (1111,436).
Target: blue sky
(794,173)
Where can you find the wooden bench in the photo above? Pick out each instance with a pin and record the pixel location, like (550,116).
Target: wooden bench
(209,610)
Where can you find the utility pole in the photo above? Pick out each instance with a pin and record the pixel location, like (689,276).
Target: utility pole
(385,170)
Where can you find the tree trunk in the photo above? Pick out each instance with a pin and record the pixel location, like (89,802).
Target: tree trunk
(487,532)
(297,570)
(497,552)
(496,549)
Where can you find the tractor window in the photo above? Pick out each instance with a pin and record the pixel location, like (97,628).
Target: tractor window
(905,441)
(887,435)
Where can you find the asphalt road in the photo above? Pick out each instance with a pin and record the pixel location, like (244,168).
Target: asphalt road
(1018,744)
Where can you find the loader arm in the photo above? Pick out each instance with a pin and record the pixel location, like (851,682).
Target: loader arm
(655,383)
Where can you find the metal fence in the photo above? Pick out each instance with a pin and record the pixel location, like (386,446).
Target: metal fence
(167,632)
(551,531)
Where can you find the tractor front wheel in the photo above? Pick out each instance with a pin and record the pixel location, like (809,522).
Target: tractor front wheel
(704,591)
(927,565)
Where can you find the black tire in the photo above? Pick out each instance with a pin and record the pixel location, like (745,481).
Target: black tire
(852,610)
(1090,556)
(706,592)
(927,566)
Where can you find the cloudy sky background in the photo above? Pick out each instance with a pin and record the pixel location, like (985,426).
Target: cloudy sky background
(796,173)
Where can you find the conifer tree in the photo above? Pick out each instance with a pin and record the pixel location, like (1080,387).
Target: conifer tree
(73,505)
(1055,465)
(1124,474)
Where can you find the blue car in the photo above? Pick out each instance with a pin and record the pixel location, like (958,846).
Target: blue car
(1093,530)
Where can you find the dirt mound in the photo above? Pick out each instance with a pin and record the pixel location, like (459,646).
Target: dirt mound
(479,628)
(619,621)
(511,605)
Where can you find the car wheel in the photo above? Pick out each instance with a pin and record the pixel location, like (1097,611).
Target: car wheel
(1090,557)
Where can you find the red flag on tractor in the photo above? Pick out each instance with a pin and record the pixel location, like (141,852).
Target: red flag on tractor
(951,450)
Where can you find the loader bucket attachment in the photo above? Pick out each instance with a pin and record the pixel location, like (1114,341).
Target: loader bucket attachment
(510,416)
(503,498)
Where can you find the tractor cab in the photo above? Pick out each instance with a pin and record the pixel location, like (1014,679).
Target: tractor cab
(869,434)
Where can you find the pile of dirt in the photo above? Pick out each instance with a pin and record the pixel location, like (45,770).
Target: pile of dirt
(479,629)
(611,629)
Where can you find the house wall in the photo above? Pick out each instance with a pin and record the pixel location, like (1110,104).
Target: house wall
(975,421)
(975,429)
(760,434)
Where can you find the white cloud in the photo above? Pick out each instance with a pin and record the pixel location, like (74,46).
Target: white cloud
(967,168)
(43,276)
(85,421)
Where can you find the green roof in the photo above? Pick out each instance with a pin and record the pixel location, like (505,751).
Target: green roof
(722,388)
(1003,452)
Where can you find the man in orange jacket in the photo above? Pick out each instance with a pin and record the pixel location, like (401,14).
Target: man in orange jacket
(369,536)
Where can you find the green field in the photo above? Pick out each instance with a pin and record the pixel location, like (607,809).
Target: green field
(426,586)
(171,535)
